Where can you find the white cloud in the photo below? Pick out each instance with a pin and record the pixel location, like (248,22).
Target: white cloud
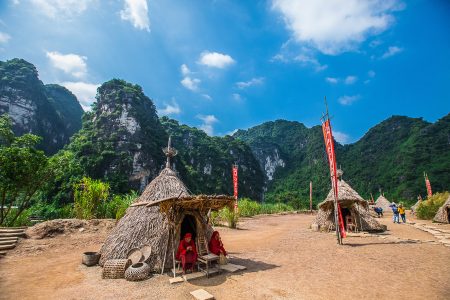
(185,70)
(251,82)
(308,60)
(332,80)
(84,91)
(207,97)
(348,100)
(350,79)
(232,132)
(4,37)
(371,73)
(236,97)
(336,26)
(72,64)
(393,50)
(341,137)
(171,109)
(190,83)
(61,8)
(215,60)
(208,122)
(136,12)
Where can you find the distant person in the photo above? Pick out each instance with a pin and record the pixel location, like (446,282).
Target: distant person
(216,245)
(379,211)
(187,253)
(402,212)
(394,208)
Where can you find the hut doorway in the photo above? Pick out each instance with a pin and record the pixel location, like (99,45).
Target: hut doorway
(345,212)
(188,225)
(448,214)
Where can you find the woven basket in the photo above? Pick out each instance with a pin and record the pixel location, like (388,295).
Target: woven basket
(115,268)
(135,255)
(90,258)
(136,272)
(146,252)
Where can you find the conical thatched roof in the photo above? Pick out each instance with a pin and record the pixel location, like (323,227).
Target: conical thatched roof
(143,225)
(383,203)
(166,185)
(348,198)
(415,206)
(442,213)
(345,194)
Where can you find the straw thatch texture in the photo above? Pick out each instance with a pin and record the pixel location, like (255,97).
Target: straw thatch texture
(350,199)
(145,225)
(415,206)
(383,203)
(442,213)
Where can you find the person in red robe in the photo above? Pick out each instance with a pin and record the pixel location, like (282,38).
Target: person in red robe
(215,244)
(187,253)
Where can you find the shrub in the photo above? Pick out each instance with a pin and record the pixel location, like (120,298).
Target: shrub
(90,198)
(230,216)
(117,206)
(427,209)
(249,208)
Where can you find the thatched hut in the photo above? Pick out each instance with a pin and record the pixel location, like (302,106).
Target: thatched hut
(155,219)
(383,203)
(415,206)
(443,213)
(351,204)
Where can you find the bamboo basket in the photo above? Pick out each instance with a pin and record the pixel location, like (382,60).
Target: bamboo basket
(115,268)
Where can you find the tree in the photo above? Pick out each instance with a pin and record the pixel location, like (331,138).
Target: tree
(23,170)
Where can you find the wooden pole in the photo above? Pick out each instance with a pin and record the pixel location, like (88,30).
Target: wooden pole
(310,196)
(165,254)
(173,255)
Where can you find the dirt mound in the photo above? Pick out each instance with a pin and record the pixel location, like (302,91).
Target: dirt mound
(56,227)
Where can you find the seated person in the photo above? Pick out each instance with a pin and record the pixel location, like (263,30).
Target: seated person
(215,244)
(187,253)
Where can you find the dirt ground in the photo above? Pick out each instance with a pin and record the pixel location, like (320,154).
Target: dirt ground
(284,260)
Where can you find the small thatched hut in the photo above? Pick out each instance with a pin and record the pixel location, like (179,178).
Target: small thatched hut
(145,224)
(383,203)
(443,213)
(415,206)
(351,204)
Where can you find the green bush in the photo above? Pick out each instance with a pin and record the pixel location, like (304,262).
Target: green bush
(427,209)
(117,206)
(249,208)
(230,216)
(90,198)
(22,219)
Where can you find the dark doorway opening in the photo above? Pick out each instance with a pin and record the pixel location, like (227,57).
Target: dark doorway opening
(345,212)
(188,226)
(448,214)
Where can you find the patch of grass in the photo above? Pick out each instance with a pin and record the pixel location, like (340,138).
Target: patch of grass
(427,209)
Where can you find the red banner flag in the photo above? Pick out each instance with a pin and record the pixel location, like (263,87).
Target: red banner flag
(329,145)
(428,184)
(235,184)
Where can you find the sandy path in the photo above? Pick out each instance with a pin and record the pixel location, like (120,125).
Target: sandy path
(284,259)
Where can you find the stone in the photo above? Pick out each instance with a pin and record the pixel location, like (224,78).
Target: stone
(176,280)
(192,276)
(201,294)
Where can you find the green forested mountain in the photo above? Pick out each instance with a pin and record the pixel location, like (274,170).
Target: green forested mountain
(205,162)
(121,142)
(50,111)
(391,157)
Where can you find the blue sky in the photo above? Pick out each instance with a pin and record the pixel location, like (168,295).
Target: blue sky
(221,65)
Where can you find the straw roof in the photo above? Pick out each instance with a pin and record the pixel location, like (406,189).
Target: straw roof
(442,213)
(382,202)
(346,196)
(415,206)
(166,185)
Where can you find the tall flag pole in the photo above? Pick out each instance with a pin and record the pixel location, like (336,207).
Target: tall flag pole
(235,186)
(428,184)
(329,146)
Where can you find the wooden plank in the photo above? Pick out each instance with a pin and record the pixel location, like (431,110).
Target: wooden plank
(9,238)
(2,252)
(201,294)
(229,268)
(192,276)
(12,231)
(176,280)
(8,247)
(20,227)
(12,234)
(237,266)
(8,242)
